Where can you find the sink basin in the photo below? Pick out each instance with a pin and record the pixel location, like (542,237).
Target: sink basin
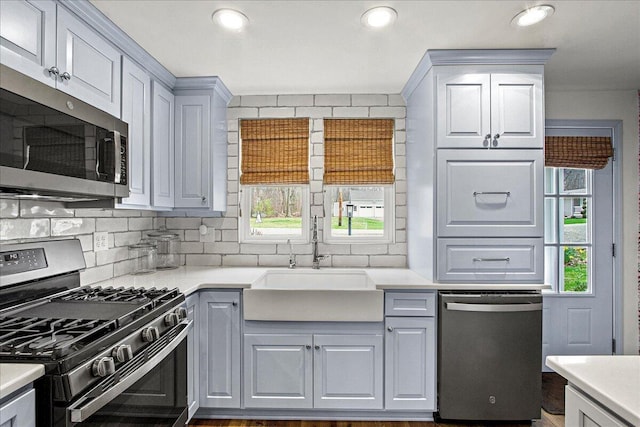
(308,295)
(309,279)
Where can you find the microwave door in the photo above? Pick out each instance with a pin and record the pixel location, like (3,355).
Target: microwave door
(108,163)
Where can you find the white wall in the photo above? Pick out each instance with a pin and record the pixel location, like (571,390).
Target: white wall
(614,105)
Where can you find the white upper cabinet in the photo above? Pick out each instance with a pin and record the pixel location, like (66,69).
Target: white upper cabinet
(489,110)
(163,105)
(49,44)
(136,111)
(28,38)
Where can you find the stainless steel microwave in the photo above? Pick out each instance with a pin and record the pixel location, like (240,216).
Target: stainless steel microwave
(57,147)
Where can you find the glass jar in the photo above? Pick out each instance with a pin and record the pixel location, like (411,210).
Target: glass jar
(168,245)
(144,257)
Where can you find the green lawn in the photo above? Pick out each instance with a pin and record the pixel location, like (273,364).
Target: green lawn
(575,278)
(356,223)
(575,220)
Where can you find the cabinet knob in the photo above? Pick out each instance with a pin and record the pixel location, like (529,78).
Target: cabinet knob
(495,139)
(317,347)
(389,328)
(53,70)
(204,199)
(235,303)
(485,142)
(65,76)
(308,347)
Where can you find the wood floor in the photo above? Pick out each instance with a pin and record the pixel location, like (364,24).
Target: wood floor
(547,420)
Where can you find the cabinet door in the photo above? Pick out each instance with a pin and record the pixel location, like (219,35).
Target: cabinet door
(136,111)
(464,109)
(193,355)
(28,38)
(347,372)
(20,411)
(220,349)
(277,371)
(410,354)
(584,412)
(192,139)
(516,111)
(92,63)
(162,147)
(490,193)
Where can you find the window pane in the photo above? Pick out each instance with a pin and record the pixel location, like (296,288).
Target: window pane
(550,220)
(357,211)
(575,224)
(574,181)
(551,266)
(276,211)
(549,180)
(576,261)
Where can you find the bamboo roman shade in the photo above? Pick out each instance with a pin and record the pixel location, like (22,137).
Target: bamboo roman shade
(274,151)
(358,151)
(579,152)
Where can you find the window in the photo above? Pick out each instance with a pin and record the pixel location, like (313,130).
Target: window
(358,178)
(274,167)
(568,229)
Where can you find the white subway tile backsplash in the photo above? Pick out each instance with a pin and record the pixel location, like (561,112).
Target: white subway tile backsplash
(259,101)
(235,102)
(369,249)
(9,208)
(368,100)
(112,224)
(112,255)
(127,238)
(391,261)
(40,209)
(313,112)
(123,267)
(192,235)
(96,274)
(388,112)
(242,113)
(273,260)
(240,260)
(136,224)
(295,100)
(86,242)
(205,260)
(72,226)
(350,261)
(396,100)
(222,248)
(230,235)
(124,213)
(277,112)
(344,112)
(89,259)
(248,248)
(191,247)
(333,100)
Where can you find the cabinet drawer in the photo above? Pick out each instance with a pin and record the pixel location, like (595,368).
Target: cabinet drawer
(582,411)
(491,260)
(20,411)
(490,193)
(410,304)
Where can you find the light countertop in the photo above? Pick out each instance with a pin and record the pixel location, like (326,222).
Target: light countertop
(613,381)
(189,279)
(13,376)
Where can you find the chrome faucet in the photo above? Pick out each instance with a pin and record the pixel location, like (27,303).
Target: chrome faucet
(292,257)
(314,240)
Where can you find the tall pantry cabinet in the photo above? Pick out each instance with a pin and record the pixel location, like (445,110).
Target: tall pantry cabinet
(475,164)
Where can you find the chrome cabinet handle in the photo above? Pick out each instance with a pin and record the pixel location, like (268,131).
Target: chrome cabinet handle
(308,347)
(235,303)
(53,70)
(507,259)
(317,347)
(479,193)
(390,329)
(203,199)
(485,142)
(489,308)
(495,139)
(117,146)
(27,157)
(65,76)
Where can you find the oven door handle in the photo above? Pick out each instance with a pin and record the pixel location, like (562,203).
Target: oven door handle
(493,308)
(82,413)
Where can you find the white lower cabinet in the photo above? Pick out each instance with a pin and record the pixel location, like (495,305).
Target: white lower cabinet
(410,363)
(19,411)
(303,371)
(193,376)
(219,350)
(581,411)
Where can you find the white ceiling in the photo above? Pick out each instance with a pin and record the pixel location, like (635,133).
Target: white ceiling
(321,47)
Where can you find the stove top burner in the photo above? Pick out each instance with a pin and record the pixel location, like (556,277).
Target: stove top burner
(33,337)
(110,294)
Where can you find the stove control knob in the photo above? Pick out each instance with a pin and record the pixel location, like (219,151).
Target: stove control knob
(103,367)
(171,319)
(122,353)
(150,334)
(181,312)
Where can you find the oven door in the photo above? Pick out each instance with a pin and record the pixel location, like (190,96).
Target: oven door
(150,389)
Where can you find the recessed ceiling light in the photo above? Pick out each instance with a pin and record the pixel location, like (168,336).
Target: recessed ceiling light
(379,17)
(532,15)
(230,19)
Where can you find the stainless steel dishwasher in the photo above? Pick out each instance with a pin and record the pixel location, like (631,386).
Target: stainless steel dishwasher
(489,355)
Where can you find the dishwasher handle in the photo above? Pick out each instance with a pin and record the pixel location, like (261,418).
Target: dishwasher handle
(493,308)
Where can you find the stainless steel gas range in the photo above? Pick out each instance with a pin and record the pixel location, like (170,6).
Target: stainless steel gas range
(112,356)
